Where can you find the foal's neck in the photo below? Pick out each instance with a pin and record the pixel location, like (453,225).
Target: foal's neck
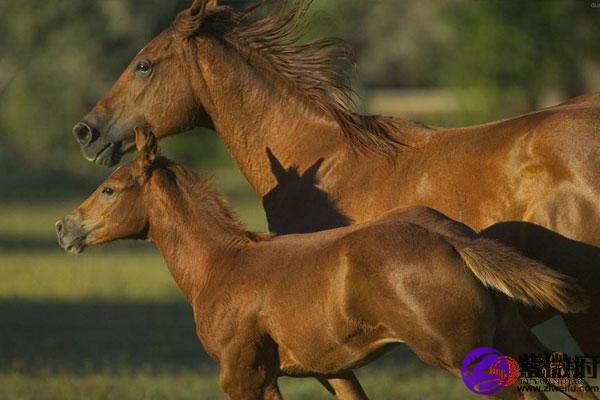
(193,228)
(253,109)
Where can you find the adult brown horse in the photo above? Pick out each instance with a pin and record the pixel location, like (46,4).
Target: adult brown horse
(321,304)
(532,178)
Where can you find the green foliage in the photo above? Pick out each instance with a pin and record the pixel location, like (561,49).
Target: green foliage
(501,57)
(510,54)
(58,59)
(397,42)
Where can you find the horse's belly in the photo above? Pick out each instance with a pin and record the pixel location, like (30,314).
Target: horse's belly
(332,359)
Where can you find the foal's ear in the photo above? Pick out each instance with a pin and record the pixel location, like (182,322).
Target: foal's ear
(200,6)
(145,141)
(147,147)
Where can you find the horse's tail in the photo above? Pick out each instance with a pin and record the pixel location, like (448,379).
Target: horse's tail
(530,282)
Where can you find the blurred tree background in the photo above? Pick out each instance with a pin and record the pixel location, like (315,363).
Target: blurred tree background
(111,324)
(496,58)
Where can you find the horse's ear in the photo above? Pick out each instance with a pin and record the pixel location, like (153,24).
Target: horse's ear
(200,6)
(147,147)
(188,22)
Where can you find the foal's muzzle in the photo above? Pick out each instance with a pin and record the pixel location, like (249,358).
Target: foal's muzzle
(70,234)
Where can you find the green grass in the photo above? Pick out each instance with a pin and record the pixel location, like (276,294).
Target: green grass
(189,384)
(111,323)
(108,274)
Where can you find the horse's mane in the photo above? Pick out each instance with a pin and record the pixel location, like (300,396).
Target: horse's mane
(317,68)
(198,192)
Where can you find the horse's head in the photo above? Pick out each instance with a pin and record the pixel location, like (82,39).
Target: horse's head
(117,209)
(155,91)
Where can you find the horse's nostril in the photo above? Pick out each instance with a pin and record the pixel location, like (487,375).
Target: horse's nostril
(83,133)
(59,228)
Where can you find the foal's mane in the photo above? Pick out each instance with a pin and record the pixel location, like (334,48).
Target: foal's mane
(317,68)
(199,194)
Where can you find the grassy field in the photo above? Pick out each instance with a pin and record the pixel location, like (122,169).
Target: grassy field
(111,324)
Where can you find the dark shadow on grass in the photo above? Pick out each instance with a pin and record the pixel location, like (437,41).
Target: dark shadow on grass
(26,243)
(91,336)
(78,336)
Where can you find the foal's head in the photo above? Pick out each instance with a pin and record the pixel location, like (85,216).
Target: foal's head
(117,208)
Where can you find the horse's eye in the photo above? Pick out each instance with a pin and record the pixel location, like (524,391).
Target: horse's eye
(108,191)
(143,67)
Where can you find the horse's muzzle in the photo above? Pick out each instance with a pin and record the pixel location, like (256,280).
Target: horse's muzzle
(96,147)
(84,133)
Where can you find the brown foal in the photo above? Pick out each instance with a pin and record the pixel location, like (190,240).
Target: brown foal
(320,304)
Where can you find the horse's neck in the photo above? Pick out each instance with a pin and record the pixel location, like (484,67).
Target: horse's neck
(189,238)
(252,112)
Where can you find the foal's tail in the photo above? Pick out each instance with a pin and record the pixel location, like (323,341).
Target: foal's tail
(521,278)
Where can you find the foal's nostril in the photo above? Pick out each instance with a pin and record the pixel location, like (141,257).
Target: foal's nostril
(59,228)
(83,133)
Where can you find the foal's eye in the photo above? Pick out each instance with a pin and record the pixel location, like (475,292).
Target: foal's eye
(143,67)
(108,191)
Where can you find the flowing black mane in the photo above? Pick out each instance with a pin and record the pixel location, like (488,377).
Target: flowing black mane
(318,69)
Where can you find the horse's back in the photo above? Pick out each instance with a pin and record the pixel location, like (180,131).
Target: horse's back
(407,241)
(409,276)
(589,99)
(577,116)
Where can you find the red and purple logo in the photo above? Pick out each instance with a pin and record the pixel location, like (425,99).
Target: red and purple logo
(486,371)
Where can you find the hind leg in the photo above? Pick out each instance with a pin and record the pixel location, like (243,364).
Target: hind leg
(517,339)
(345,387)
(449,355)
